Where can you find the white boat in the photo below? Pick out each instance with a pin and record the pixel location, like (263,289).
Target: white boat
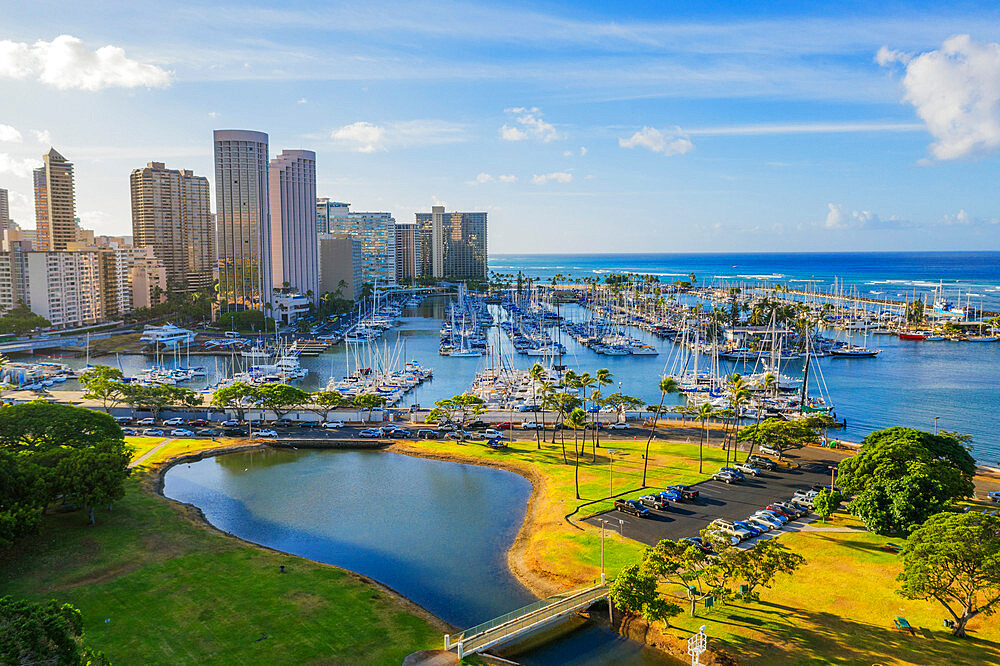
(167,336)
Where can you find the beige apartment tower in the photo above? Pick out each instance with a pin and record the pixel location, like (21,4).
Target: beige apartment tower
(172,215)
(55,203)
(294,248)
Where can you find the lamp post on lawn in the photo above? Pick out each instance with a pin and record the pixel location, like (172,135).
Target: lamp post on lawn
(935,424)
(833,473)
(611,471)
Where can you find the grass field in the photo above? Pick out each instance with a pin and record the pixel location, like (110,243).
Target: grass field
(157,587)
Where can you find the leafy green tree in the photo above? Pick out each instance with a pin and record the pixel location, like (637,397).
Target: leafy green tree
(827,502)
(678,564)
(104,383)
(635,591)
(94,476)
(281,398)
(456,409)
(22,497)
(666,385)
(954,558)
(324,402)
(39,426)
(49,633)
(155,398)
(777,433)
(758,566)
(898,505)
(369,401)
(237,396)
(20,320)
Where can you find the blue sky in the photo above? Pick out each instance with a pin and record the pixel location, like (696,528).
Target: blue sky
(577,126)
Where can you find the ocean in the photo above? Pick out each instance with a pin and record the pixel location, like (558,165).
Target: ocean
(909,383)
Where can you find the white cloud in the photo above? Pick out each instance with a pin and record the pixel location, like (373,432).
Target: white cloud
(887,56)
(555,176)
(835,218)
(18,167)
(528,124)
(42,136)
(804,128)
(366,137)
(214,114)
(672,142)
(583,151)
(484,178)
(9,134)
(838,218)
(570,153)
(302,100)
(66,63)
(956,92)
(507,178)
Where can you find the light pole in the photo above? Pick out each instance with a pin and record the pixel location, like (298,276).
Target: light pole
(611,471)
(935,424)
(833,472)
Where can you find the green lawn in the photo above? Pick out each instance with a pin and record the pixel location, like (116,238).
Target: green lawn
(839,609)
(157,587)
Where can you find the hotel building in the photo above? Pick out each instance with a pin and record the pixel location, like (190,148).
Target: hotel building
(452,245)
(55,203)
(294,245)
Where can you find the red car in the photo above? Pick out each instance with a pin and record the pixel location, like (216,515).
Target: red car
(506,425)
(197,422)
(781,511)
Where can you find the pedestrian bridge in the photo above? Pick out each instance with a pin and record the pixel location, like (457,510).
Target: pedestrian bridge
(525,620)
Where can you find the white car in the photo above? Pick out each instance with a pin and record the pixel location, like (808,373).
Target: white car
(266,433)
(621,425)
(747,469)
(766,518)
(531,425)
(770,450)
(490,433)
(757,521)
(174,422)
(149,420)
(333,424)
(181,432)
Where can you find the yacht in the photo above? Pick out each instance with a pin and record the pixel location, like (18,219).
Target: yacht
(168,336)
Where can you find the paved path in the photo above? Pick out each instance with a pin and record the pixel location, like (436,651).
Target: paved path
(141,459)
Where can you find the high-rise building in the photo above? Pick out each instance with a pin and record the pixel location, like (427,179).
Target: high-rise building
(4,211)
(294,247)
(65,287)
(452,245)
(55,203)
(172,215)
(243,219)
(325,209)
(13,275)
(377,233)
(407,252)
(340,265)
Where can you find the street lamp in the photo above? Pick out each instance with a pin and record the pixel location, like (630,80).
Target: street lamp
(935,424)
(611,471)
(833,472)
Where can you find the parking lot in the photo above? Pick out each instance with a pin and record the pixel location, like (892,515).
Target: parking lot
(719,500)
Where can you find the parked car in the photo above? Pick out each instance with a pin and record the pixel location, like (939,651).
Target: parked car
(726,477)
(673,495)
(370,433)
(456,436)
(527,408)
(427,433)
(122,419)
(746,468)
(309,424)
(782,511)
(477,425)
(400,433)
(763,463)
(735,472)
(505,425)
(729,527)
(655,502)
(767,518)
(176,421)
(754,530)
(632,507)
(197,422)
(130,431)
(796,511)
(621,425)
(267,433)
(181,432)
(236,431)
(208,432)
(780,517)
(446,426)
(282,423)
(804,496)
(333,424)
(152,432)
(490,433)
(591,425)
(688,494)
(770,450)
(149,420)
(760,523)
(559,425)
(697,543)
(531,425)
(821,488)
(232,423)
(801,506)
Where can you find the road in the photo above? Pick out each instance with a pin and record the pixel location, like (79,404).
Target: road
(719,500)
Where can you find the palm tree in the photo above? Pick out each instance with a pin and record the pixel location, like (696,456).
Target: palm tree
(604,378)
(705,412)
(739,398)
(564,403)
(576,419)
(537,374)
(597,400)
(667,385)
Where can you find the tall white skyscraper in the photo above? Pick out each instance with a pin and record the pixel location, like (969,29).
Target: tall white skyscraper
(4,210)
(243,219)
(294,243)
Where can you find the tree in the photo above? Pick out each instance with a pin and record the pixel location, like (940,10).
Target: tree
(35,633)
(667,385)
(779,434)
(155,397)
(39,426)
(634,591)
(538,375)
(577,419)
(94,476)
(954,558)
(705,412)
(20,320)
(104,383)
(898,505)
(563,404)
(827,502)
(760,565)
(680,564)
(604,378)
(281,398)
(456,407)
(369,401)
(324,402)
(237,397)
